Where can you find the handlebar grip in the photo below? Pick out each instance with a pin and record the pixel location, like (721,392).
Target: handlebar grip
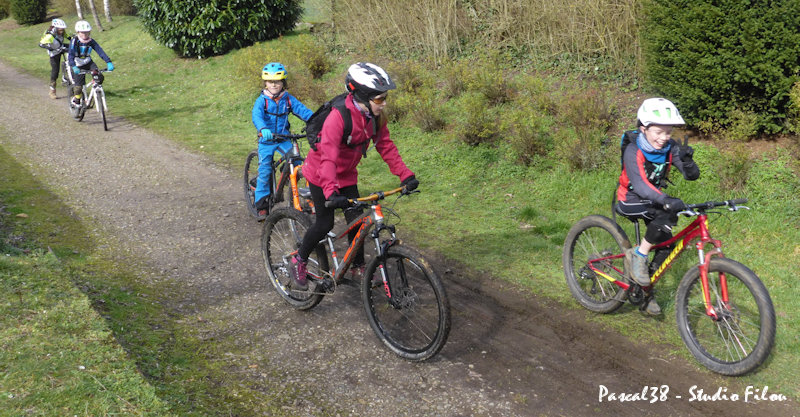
(737,201)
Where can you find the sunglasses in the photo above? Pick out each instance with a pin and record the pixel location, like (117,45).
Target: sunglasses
(379,99)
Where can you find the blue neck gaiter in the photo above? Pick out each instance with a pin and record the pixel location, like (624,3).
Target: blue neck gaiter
(656,156)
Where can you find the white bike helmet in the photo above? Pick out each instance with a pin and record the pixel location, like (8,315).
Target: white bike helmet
(659,111)
(59,24)
(367,80)
(82,26)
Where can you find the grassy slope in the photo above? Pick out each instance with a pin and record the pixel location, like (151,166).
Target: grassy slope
(476,207)
(58,356)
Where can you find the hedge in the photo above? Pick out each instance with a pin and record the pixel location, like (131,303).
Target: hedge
(209,27)
(716,59)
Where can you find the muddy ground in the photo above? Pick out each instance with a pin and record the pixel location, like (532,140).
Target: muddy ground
(184,218)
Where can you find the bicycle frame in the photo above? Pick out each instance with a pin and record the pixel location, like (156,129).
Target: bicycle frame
(363,224)
(91,92)
(698,229)
(290,174)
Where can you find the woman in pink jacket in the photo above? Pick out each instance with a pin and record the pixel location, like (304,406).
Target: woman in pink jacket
(331,169)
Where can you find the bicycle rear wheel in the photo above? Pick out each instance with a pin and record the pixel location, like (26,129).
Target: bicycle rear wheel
(101,105)
(742,338)
(594,237)
(415,321)
(281,237)
(250,175)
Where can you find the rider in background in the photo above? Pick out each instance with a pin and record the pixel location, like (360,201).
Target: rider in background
(270,117)
(645,167)
(331,169)
(53,40)
(79,58)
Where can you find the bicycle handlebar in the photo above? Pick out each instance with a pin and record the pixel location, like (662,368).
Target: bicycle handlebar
(380,195)
(290,136)
(733,204)
(711,204)
(89,71)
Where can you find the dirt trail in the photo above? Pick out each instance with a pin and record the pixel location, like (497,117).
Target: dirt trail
(183,217)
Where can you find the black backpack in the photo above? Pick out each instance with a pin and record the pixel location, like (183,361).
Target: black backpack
(627,138)
(314,123)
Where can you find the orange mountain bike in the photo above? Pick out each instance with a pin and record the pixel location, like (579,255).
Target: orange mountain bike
(724,313)
(404,299)
(285,181)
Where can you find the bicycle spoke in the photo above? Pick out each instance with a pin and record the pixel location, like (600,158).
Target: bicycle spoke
(741,336)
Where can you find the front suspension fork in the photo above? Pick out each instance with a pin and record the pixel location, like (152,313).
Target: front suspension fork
(705,260)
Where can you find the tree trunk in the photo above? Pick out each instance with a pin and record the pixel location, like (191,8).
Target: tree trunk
(94,14)
(107,8)
(78,9)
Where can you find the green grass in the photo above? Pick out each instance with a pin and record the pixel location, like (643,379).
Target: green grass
(476,206)
(58,355)
(83,331)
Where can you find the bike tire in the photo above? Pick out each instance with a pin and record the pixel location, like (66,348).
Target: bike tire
(741,340)
(417,324)
(250,176)
(281,237)
(594,237)
(101,105)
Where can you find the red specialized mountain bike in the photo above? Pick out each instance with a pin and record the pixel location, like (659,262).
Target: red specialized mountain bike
(724,313)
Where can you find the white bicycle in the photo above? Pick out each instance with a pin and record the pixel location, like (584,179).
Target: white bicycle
(93,96)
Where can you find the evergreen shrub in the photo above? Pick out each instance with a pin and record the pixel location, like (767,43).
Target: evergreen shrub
(4,7)
(204,28)
(28,12)
(719,59)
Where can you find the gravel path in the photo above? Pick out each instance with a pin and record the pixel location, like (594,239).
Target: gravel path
(183,217)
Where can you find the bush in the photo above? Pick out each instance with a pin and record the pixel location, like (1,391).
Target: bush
(793,119)
(28,12)
(303,57)
(529,134)
(4,8)
(714,57)
(477,123)
(205,27)
(733,167)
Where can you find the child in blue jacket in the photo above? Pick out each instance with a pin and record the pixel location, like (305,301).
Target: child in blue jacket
(270,117)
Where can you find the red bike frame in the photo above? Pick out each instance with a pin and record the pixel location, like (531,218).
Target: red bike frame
(698,229)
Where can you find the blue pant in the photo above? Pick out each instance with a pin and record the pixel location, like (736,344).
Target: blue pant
(265,153)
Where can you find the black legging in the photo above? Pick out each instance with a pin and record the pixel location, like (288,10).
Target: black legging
(658,221)
(323,222)
(55,66)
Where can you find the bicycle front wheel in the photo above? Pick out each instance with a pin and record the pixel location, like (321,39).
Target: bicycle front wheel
(101,105)
(741,338)
(591,238)
(412,316)
(250,178)
(281,237)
